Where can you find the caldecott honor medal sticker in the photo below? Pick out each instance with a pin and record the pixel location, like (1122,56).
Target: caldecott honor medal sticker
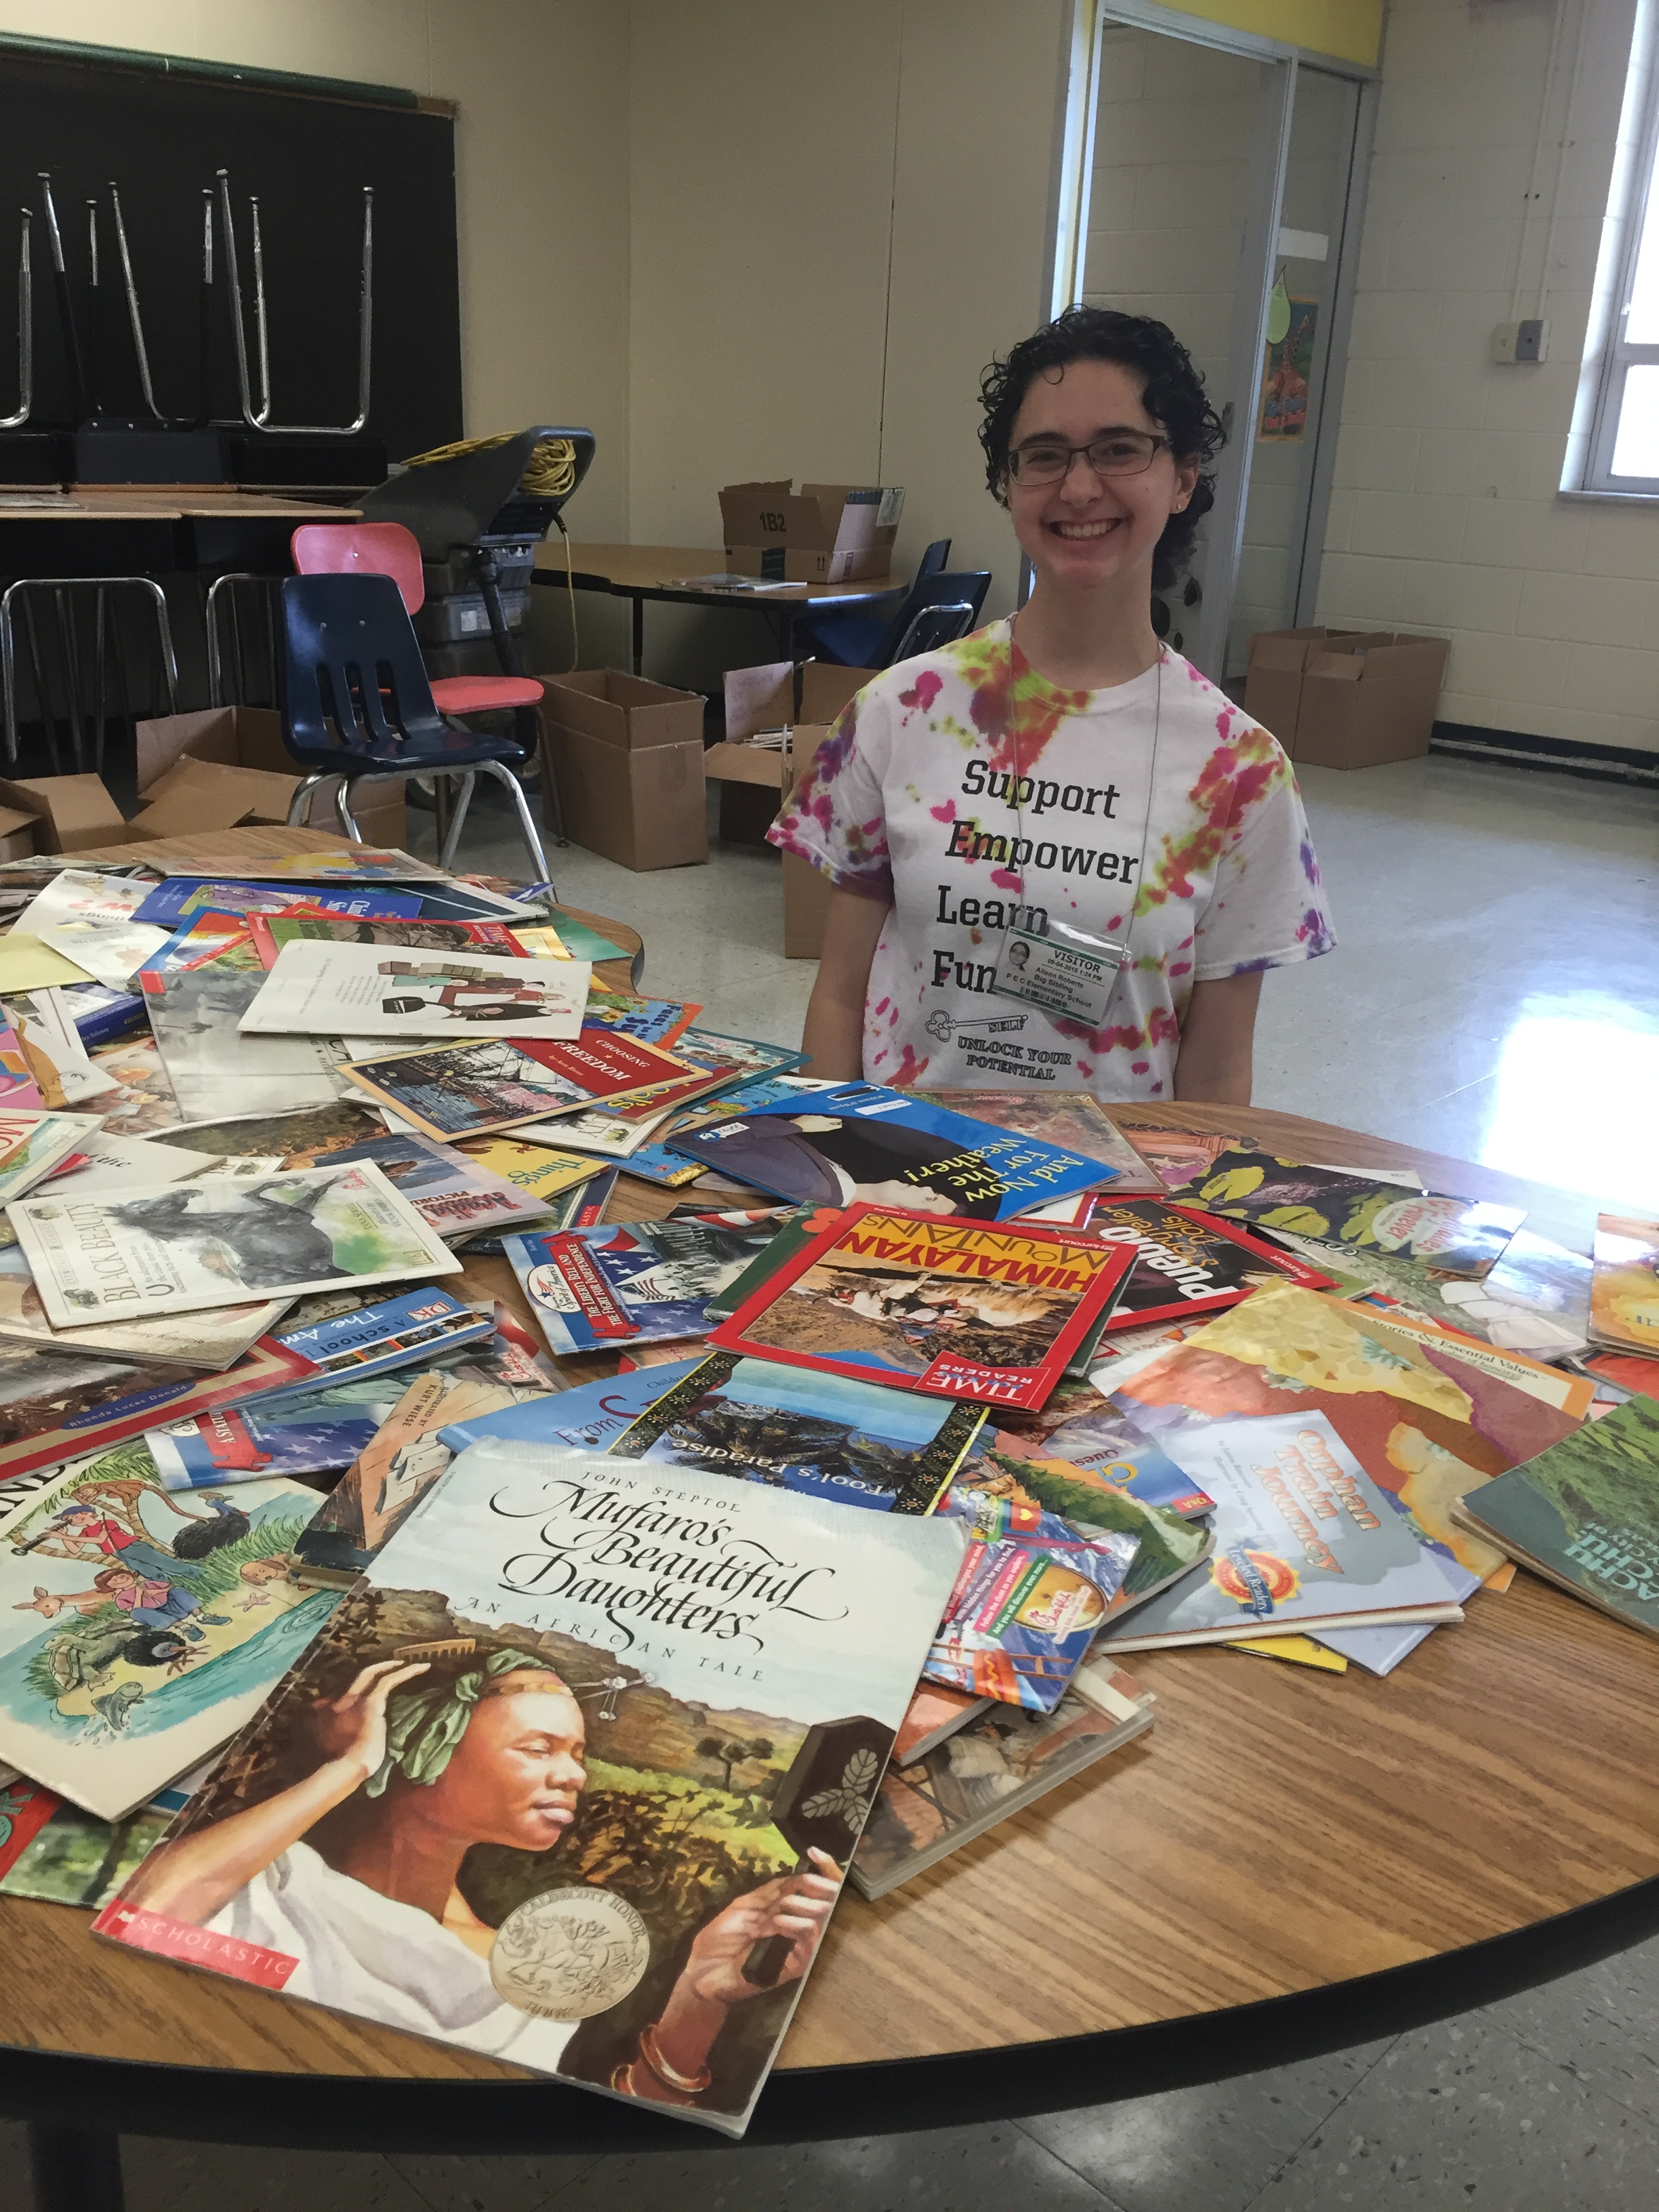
(569,1954)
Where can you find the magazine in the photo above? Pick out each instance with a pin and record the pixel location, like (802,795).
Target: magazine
(1585,1513)
(137,1632)
(472,1090)
(850,1444)
(1074,1119)
(1427,1415)
(196,992)
(453,1195)
(1625,1284)
(679,1791)
(1305,1540)
(1342,1205)
(1188,1262)
(394,1468)
(962,1308)
(858,1141)
(209,1341)
(595,1289)
(1000,1762)
(188,1246)
(381,990)
(54,1406)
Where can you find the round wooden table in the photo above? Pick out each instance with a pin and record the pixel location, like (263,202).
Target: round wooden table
(1288,1862)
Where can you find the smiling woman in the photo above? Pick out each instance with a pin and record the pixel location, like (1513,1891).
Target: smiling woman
(1063,775)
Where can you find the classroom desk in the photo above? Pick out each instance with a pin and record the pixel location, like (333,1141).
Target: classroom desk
(1288,1862)
(640,573)
(134,530)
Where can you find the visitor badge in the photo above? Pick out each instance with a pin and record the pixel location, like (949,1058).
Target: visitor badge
(1064,972)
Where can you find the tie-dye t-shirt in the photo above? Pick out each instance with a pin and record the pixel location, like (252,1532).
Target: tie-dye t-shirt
(912,799)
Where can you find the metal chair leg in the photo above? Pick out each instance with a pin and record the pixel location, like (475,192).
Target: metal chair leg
(459,803)
(300,805)
(342,807)
(527,828)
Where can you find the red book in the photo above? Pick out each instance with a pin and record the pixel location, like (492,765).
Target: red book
(450,1090)
(1189,1262)
(961,1309)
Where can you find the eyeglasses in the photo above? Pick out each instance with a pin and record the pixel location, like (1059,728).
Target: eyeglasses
(1119,454)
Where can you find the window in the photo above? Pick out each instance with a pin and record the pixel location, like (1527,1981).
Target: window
(1624,445)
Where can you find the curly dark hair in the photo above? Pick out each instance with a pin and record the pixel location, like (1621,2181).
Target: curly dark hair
(1173,396)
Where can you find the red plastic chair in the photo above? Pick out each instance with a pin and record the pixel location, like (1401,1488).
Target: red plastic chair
(386,548)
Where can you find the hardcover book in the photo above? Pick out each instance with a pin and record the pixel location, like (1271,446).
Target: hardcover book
(1625,1284)
(964,1308)
(381,990)
(472,1090)
(626,1282)
(858,1141)
(639,1714)
(851,1444)
(137,1632)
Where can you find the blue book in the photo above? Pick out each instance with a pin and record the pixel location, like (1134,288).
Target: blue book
(631,1282)
(416,1325)
(858,1142)
(102,1014)
(315,1432)
(586,1419)
(178,901)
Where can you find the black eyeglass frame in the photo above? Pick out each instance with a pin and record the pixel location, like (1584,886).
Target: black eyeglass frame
(1153,442)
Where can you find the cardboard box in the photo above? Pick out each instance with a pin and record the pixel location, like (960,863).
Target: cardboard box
(1366,700)
(624,711)
(823,534)
(1272,683)
(778,696)
(641,806)
(71,813)
(194,769)
(16,833)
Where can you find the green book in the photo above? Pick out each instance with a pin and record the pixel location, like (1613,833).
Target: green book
(1585,1513)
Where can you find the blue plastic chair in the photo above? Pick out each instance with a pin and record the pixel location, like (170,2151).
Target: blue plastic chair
(859,639)
(357,702)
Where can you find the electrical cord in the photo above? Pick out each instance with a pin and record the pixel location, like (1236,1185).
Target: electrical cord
(551,474)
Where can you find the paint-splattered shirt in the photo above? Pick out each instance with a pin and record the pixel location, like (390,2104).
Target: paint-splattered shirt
(960,785)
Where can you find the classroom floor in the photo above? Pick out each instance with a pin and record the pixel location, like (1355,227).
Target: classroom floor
(1495,996)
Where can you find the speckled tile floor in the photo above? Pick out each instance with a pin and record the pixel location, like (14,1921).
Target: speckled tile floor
(1495,996)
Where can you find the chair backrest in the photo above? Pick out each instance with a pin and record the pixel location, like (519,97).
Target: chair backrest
(353,677)
(932,626)
(362,548)
(945,587)
(933,559)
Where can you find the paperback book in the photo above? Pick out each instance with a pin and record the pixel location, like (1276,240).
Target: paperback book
(378,990)
(1585,1513)
(392,1333)
(272,931)
(1000,1761)
(138,1632)
(824,1436)
(333,864)
(589,1419)
(859,1142)
(209,1341)
(176,903)
(593,1290)
(541,1171)
(196,991)
(32,1146)
(1189,1262)
(189,1246)
(654,1021)
(964,1308)
(452,1193)
(308,1433)
(1075,1120)
(682,1793)
(472,1090)
(1625,1284)
(1099,1447)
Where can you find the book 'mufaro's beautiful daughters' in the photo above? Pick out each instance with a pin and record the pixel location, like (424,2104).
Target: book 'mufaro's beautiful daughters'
(636,1716)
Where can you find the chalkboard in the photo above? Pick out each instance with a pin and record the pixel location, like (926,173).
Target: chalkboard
(162,138)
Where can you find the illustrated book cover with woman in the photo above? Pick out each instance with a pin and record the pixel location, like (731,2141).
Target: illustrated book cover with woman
(573,1777)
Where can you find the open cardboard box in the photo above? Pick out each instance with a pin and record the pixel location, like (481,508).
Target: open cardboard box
(1277,670)
(779,695)
(1367,700)
(227,765)
(627,711)
(823,534)
(69,813)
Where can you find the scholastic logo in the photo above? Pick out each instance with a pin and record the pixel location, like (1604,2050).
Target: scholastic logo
(196,1947)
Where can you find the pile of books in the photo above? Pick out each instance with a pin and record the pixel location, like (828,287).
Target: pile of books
(805,1527)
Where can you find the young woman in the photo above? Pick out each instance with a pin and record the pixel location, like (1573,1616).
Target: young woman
(1065,768)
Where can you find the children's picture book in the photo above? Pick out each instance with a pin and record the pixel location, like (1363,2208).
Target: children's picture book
(1625,1284)
(590,1418)
(140,1103)
(1177,1157)
(1340,1206)
(320,989)
(654,1021)
(851,1443)
(108,955)
(330,865)
(1427,1415)
(1032,1593)
(1002,1759)
(472,1090)
(655,1164)
(542,1172)
(137,1632)
(595,1289)
(196,991)
(53,1852)
(81,894)
(302,1432)
(1585,1513)
(964,1309)
(1187,1262)
(187,1246)
(209,1341)
(18,1087)
(32,1144)
(272,931)
(176,903)
(453,1194)
(394,1468)
(1303,1540)
(706,1783)
(1086,1440)
(55,1406)
(1075,1120)
(859,1142)
(392,1333)
(933,1714)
